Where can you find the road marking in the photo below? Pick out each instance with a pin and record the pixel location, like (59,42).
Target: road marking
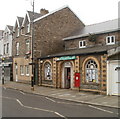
(60,115)
(19,102)
(22,92)
(100,109)
(35,108)
(50,99)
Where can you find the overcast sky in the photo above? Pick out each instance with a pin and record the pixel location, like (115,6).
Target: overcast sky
(89,11)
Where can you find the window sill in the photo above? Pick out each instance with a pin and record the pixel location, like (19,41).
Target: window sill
(27,75)
(110,44)
(82,47)
(22,74)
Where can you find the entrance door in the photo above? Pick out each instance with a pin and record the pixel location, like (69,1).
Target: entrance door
(115,79)
(16,68)
(67,77)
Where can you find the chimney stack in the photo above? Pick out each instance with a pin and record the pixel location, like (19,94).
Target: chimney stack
(43,11)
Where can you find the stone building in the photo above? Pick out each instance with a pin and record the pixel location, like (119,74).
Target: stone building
(85,53)
(7,52)
(49,30)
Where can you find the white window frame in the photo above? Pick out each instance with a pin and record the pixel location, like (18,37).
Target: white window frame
(27,70)
(28,28)
(83,46)
(18,32)
(48,71)
(111,43)
(17,48)
(27,46)
(21,70)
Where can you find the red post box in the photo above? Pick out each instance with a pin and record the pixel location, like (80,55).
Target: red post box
(77,79)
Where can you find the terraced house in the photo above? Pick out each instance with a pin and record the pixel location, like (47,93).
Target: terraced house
(6,50)
(49,30)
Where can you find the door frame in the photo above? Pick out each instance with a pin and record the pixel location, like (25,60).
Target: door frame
(71,74)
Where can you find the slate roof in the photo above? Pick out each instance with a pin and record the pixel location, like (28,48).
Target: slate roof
(103,27)
(10,27)
(84,51)
(20,20)
(36,15)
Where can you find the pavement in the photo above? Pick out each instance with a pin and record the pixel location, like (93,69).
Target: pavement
(68,94)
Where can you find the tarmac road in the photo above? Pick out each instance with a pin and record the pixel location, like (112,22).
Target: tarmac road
(19,104)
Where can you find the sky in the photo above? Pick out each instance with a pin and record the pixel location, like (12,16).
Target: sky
(88,11)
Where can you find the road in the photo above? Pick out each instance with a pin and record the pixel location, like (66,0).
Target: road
(19,104)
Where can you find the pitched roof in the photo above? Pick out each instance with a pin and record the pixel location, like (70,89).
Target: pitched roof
(84,51)
(10,27)
(20,20)
(103,27)
(50,13)
(36,15)
(1,33)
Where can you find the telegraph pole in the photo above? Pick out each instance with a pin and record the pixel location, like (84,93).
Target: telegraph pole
(32,77)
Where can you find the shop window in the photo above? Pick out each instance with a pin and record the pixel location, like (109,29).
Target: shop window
(91,71)
(47,70)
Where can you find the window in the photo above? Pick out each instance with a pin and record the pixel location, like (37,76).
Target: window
(28,28)
(21,70)
(7,48)
(27,46)
(110,40)
(27,70)
(48,74)
(17,48)
(82,44)
(18,32)
(4,48)
(91,71)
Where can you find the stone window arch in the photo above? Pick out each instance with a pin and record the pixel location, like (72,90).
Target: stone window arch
(91,70)
(47,71)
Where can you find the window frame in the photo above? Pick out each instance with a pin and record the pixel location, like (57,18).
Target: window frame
(82,46)
(45,75)
(21,70)
(18,32)
(28,28)
(17,48)
(27,46)
(110,40)
(27,72)
(7,48)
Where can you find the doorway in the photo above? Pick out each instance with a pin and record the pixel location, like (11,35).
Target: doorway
(67,77)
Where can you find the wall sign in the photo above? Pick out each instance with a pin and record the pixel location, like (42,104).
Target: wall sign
(66,58)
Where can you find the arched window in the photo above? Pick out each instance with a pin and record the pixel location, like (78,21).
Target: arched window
(91,71)
(48,71)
